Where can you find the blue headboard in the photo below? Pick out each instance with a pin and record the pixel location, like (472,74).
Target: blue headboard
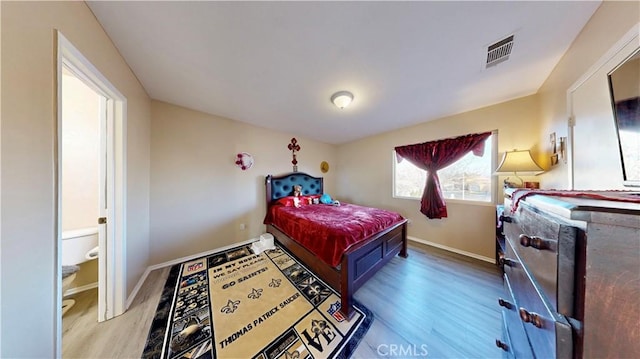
(282,186)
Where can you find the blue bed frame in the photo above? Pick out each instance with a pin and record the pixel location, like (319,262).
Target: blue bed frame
(359,263)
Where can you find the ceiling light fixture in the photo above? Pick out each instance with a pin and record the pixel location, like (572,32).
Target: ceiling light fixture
(342,99)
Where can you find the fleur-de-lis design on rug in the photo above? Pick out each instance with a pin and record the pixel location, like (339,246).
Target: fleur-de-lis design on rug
(231,306)
(294,355)
(255,293)
(275,283)
(314,290)
(282,261)
(317,326)
(307,282)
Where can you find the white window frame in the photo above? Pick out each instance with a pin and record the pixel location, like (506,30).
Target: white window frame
(494,178)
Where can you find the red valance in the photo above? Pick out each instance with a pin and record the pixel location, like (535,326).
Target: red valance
(434,155)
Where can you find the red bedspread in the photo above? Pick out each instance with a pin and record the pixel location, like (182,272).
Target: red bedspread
(328,230)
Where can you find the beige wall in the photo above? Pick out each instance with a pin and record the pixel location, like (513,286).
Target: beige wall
(199,198)
(29,245)
(365,172)
(607,25)
(87,275)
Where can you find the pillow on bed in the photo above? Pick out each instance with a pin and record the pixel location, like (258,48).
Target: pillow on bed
(326,199)
(289,200)
(286,201)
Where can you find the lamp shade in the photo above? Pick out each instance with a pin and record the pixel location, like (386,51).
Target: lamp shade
(518,162)
(342,99)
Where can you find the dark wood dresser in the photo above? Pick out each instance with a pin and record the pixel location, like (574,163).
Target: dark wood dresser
(571,278)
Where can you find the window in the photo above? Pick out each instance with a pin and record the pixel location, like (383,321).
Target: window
(468,179)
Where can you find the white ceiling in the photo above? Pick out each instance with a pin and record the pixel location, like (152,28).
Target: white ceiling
(275,64)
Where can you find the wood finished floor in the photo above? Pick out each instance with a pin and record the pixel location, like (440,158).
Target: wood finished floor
(434,304)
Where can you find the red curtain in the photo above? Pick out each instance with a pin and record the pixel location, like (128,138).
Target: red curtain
(434,155)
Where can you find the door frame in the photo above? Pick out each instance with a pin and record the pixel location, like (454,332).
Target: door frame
(112,253)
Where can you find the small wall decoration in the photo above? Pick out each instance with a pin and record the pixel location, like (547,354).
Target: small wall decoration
(558,149)
(244,161)
(554,149)
(324,167)
(294,147)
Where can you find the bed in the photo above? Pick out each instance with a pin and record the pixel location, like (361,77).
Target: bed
(348,270)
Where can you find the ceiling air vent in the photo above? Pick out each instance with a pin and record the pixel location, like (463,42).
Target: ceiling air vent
(499,52)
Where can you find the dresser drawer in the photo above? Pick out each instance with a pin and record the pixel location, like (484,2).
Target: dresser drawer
(514,330)
(549,334)
(504,342)
(547,247)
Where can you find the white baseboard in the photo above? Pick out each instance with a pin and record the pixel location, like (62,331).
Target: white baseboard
(450,249)
(80,289)
(136,289)
(144,276)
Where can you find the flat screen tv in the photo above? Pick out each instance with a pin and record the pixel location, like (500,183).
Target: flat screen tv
(624,87)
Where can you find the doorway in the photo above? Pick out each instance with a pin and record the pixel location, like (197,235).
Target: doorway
(109,182)
(83,195)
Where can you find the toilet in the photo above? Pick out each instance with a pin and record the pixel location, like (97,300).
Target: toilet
(78,246)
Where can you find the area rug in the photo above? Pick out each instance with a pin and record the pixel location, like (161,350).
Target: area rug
(235,304)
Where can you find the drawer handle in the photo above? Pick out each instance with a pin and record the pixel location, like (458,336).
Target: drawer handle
(506,219)
(502,345)
(504,303)
(506,262)
(534,242)
(530,317)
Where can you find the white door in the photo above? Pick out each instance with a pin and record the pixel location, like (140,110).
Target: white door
(105,235)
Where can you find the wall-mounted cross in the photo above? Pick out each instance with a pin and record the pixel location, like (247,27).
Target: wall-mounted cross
(294,147)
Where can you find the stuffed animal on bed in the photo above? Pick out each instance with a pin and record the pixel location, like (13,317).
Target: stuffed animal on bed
(297,192)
